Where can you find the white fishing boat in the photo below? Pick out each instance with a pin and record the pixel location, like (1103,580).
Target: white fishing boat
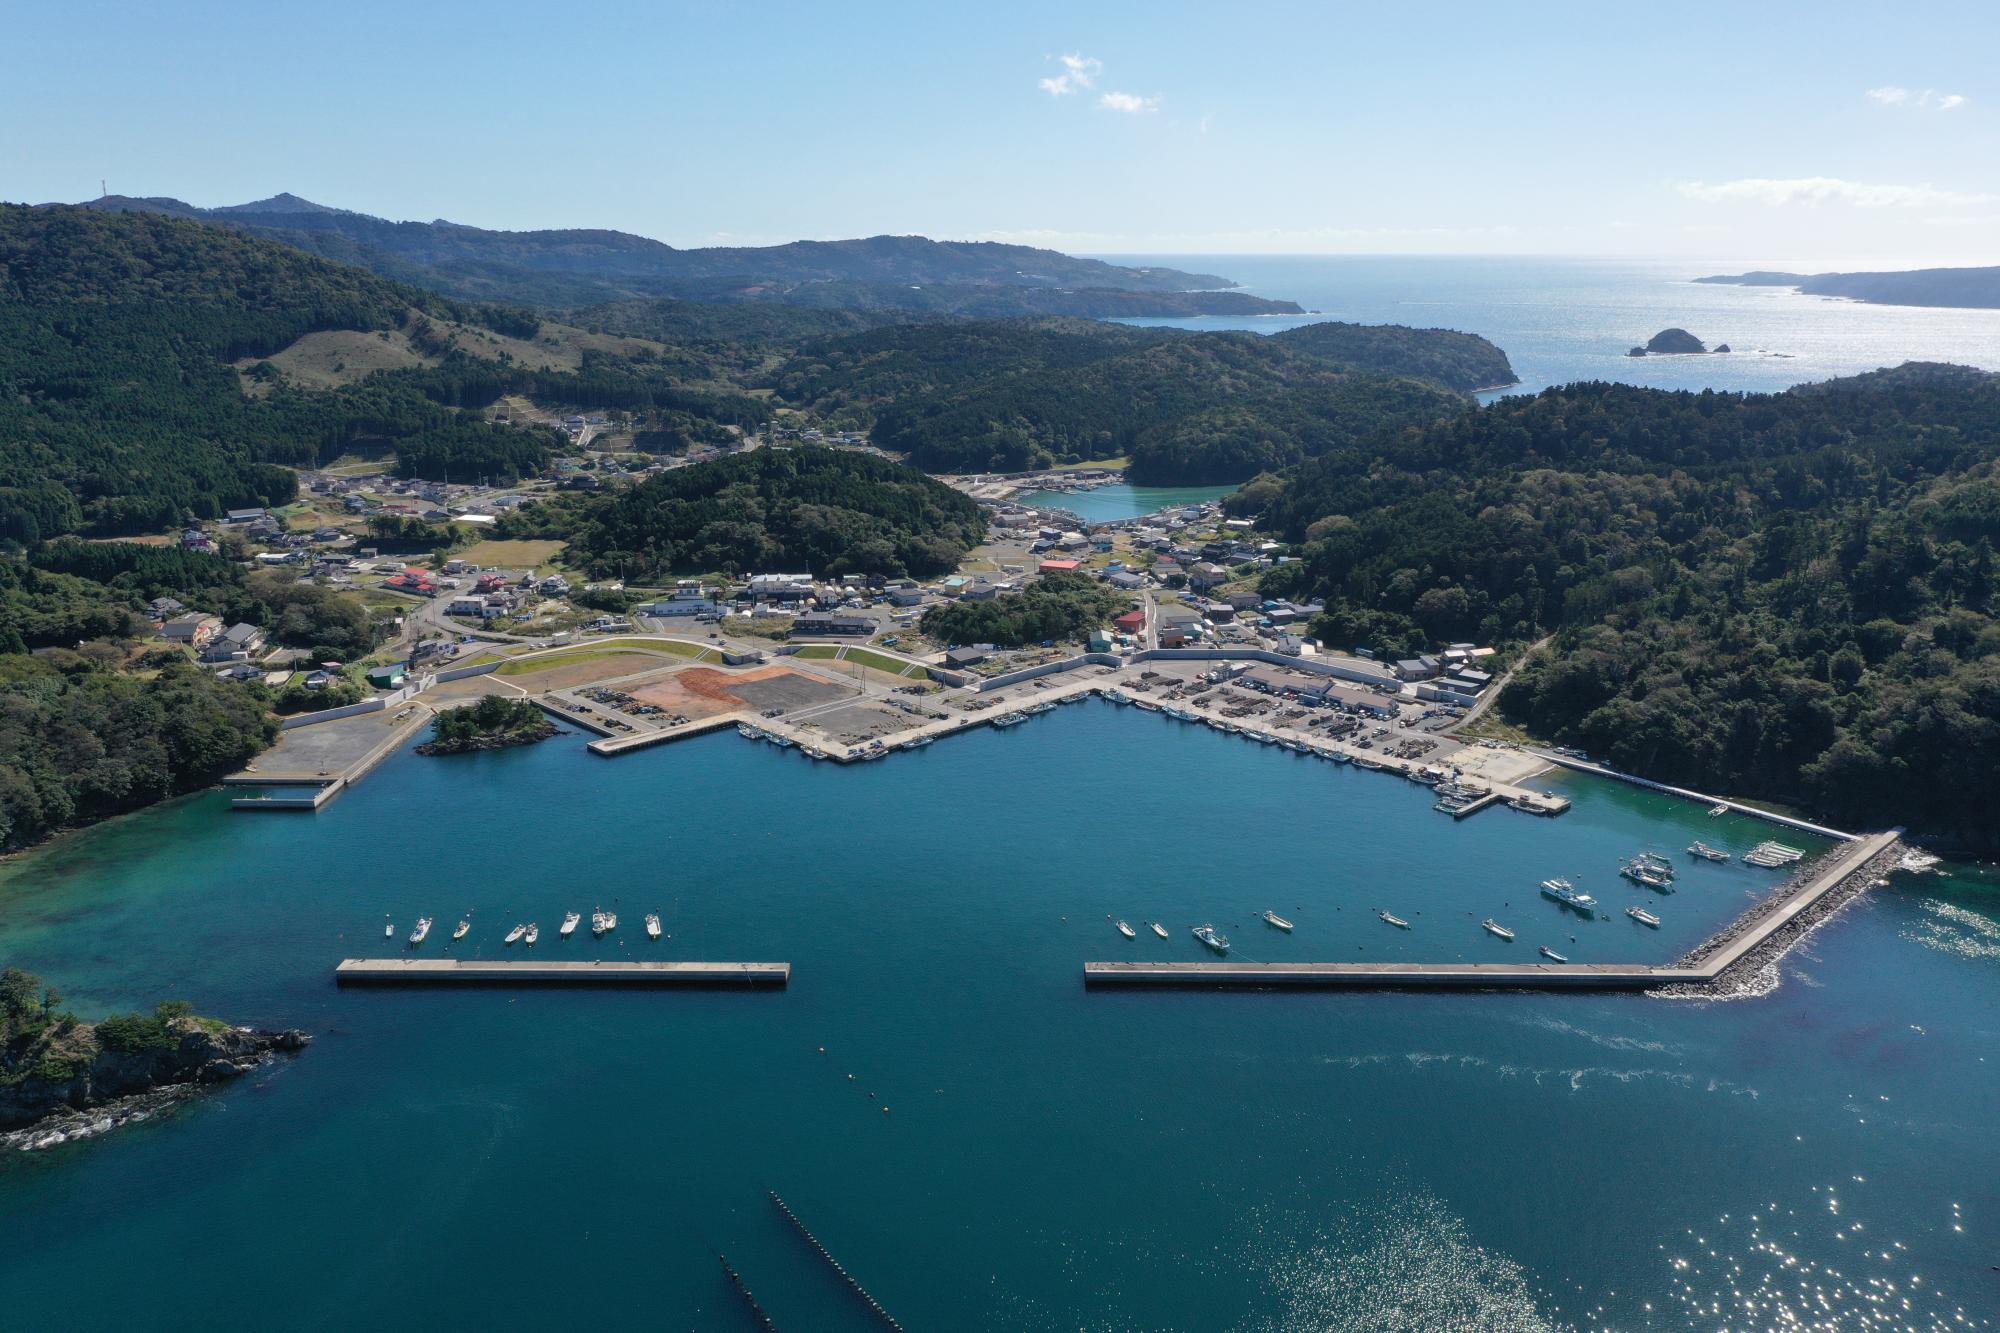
(1158,929)
(1207,935)
(1565,893)
(1126,930)
(514,935)
(534,932)
(1715,810)
(1274,919)
(1552,955)
(388,929)
(603,922)
(1494,927)
(570,920)
(423,930)
(1643,917)
(464,927)
(1641,873)
(1706,852)
(1394,920)
(653,925)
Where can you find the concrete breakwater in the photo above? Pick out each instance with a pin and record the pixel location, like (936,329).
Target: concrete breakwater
(1717,968)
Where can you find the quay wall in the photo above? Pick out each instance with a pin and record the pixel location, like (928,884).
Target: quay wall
(1785,821)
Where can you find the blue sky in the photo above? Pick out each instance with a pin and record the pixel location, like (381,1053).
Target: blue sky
(1829,133)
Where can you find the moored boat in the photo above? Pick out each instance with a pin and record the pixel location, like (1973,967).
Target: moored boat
(1643,917)
(569,924)
(1717,809)
(1552,955)
(1126,930)
(653,925)
(534,932)
(1158,929)
(602,922)
(460,930)
(422,931)
(514,935)
(1207,935)
(1496,928)
(1394,920)
(1562,891)
(1274,919)
(1706,852)
(1647,876)
(388,929)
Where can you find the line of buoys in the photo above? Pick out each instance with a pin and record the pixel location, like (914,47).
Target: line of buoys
(743,1290)
(873,1305)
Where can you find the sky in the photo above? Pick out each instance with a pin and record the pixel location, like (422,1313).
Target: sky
(1830,134)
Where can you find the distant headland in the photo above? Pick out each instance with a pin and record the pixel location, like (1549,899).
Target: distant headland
(1970,288)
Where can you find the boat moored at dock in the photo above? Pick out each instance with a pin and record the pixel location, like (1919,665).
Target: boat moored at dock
(1126,930)
(514,935)
(1207,935)
(422,932)
(463,927)
(1565,893)
(653,925)
(1552,955)
(1495,928)
(1706,852)
(1643,917)
(570,920)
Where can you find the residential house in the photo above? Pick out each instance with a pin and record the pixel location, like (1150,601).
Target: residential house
(195,631)
(238,641)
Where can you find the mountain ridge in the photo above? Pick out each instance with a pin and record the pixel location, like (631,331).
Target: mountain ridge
(1950,288)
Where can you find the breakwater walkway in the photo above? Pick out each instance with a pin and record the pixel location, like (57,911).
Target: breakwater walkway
(1844,872)
(530,972)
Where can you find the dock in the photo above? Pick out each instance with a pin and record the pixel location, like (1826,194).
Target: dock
(414,971)
(1703,967)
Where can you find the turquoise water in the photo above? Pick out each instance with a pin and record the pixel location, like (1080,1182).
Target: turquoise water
(1053,1159)
(1104,504)
(1560,320)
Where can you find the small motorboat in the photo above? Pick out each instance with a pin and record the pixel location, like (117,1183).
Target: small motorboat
(1394,920)
(534,933)
(388,929)
(1494,927)
(1272,918)
(514,935)
(1552,955)
(1126,930)
(570,920)
(602,922)
(422,931)
(1207,935)
(1158,929)
(1717,809)
(1643,917)
(462,929)
(653,925)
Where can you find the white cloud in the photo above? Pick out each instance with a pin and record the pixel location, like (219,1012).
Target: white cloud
(1079,71)
(1926,99)
(1130,103)
(1815,190)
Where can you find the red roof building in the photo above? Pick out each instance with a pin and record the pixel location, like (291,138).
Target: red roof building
(1060,566)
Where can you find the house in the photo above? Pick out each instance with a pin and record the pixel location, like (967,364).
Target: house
(1100,641)
(906,596)
(972,655)
(1124,580)
(1207,574)
(164,608)
(247,515)
(830,622)
(1416,668)
(466,606)
(1059,566)
(1132,622)
(1169,572)
(688,600)
(319,680)
(388,677)
(195,631)
(980,592)
(239,640)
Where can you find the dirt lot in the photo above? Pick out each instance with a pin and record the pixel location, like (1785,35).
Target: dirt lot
(860,722)
(704,692)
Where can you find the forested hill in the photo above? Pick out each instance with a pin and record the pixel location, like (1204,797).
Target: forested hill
(1791,596)
(121,413)
(1961,287)
(825,511)
(1185,408)
(1462,361)
(567,268)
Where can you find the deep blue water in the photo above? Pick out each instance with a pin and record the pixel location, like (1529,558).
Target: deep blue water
(1053,1159)
(1561,320)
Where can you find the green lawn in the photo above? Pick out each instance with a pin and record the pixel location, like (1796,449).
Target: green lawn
(895,666)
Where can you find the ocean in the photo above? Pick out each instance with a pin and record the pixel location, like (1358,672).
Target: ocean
(1561,320)
(982,1143)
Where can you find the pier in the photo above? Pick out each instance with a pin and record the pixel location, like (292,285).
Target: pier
(1708,964)
(533,972)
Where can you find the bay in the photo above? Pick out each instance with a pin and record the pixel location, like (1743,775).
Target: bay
(1050,1158)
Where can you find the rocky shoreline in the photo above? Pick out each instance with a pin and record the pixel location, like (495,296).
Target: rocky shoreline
(1756,972)
(118,1087)
(501,740)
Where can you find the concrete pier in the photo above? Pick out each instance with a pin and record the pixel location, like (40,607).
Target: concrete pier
(1701,968)
(413,971)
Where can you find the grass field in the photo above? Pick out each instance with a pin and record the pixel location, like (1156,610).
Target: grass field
(535,666)
(511,553)
(883,662)
(819,650)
